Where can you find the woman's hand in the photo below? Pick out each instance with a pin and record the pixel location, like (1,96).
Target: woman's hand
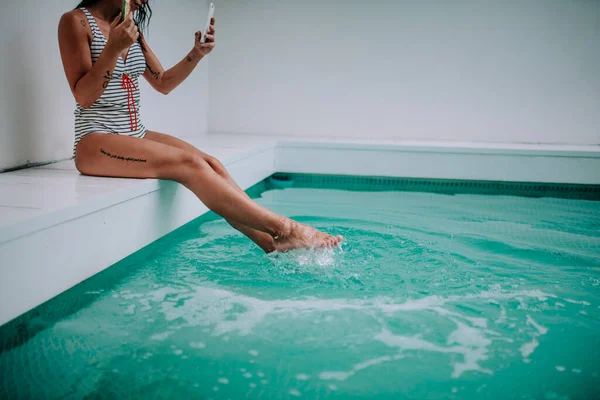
(203,49)
(122,35)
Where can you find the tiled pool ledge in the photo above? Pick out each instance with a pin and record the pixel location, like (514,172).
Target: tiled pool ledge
(58,228)
(443,160)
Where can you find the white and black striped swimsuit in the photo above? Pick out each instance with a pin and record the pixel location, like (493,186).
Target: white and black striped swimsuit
(117,110)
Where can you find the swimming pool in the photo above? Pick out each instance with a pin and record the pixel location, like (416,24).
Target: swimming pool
(438,292)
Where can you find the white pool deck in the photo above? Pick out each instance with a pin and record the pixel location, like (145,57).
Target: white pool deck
(58,228)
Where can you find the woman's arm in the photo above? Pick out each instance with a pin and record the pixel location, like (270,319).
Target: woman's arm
(165,81)
(89,81)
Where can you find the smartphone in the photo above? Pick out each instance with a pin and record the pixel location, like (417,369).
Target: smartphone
(211,13)
(125,9)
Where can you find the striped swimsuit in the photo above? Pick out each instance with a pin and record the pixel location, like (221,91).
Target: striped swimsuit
(117,110)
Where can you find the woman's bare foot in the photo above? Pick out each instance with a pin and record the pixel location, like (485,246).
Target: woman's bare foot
(298,236)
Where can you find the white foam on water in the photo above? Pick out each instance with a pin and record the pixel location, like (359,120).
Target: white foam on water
(332,387)
(371,362)
(473,345)
(542,330)
(197,345)
(127,295)
(464,340)
(468,336)
(178,352)
(224,381)
(212,306)
(302,377)
(342,375)
(479,322)
(252,385)
(435,302)
(145,304)
(129,310)
(294,392)
(583,302)
(260,375)
(502,318)
(226,312)
(577,371)
(329,375)
(160,294)
(528,348)
(247,375)
(161,336)
(560,368)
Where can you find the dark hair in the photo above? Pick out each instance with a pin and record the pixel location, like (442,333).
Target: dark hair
(141,17)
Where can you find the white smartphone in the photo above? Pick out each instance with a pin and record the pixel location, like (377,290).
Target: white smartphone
(211,13)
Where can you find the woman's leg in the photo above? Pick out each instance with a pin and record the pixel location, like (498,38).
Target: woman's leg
(129,157)
(263,240)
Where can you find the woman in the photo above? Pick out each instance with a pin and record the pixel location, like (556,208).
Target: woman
(103,58)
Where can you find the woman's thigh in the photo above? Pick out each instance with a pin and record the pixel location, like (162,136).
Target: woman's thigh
(175,142)
(122,156)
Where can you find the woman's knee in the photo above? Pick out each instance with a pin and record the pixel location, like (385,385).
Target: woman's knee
(84,160)
(189,164)
(83,166)
(216,165)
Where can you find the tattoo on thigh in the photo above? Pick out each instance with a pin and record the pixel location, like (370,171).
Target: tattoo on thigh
(82,22)
(108,77)
(154,74)
(122,158)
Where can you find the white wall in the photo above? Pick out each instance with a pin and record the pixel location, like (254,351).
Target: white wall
(469,70)
(36,105)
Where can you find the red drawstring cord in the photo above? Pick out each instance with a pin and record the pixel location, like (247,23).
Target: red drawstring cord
(128,85)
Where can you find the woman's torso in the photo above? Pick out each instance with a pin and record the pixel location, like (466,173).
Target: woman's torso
(117,110)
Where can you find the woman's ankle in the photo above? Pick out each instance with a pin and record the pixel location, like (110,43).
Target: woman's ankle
(284,230)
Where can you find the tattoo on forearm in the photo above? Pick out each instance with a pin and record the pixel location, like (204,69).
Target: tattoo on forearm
(189,58)
(108,77)
(156,75)
(82,22)
(122,158)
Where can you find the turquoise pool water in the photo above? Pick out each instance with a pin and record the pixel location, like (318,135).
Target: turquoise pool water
(432,296)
